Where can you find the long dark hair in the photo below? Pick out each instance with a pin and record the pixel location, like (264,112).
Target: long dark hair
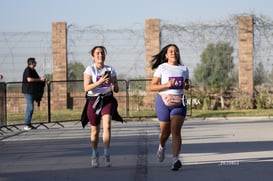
(161,58)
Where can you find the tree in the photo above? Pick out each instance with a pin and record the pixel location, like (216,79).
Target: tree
(270,75)
(48,76)
(216,66)
(75,71)
(260,74)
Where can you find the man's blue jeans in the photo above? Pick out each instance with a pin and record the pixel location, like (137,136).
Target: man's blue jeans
(29,108)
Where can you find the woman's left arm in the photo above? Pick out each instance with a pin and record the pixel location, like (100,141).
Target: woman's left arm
(114,82)
(186,84)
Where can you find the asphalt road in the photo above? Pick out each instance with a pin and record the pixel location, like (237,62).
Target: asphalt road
(213,149)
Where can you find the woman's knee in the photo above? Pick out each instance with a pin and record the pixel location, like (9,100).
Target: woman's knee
(106,121)
(176,124)
(165,128)
(95,130)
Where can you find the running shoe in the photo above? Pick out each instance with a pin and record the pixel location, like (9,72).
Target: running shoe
(107,161)
(161,154)
(95,161)
(176,165)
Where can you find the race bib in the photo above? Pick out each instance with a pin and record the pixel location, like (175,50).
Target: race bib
(178,82)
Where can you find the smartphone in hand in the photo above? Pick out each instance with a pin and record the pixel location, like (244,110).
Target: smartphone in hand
(108,73)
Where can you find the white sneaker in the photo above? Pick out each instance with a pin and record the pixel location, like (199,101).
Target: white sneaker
(107,161)
(28,127)
(160,154)
(95,161)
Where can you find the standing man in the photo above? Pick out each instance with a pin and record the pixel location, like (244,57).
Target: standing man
(32,83)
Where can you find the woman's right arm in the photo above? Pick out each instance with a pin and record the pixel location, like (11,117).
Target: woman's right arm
(156,86)
(88,83)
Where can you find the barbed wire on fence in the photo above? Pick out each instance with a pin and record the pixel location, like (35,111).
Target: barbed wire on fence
(16,47)
(126,47)
(193,39)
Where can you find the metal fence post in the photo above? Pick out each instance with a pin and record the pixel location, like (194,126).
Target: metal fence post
(127,98)
(3,102)
(48,103)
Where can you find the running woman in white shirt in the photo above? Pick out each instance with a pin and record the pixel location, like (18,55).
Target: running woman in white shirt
(170,79)
(99,82)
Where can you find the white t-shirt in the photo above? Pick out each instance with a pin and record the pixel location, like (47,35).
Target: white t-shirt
(178,72)
(96,74)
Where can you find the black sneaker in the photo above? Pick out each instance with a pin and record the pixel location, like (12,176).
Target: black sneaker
(176,165)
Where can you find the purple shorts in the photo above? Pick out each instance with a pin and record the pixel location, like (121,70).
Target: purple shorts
(164,112)
(107,108)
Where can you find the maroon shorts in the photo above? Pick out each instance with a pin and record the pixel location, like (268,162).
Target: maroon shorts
(107,108)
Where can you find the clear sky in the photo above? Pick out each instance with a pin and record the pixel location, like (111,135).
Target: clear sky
(38,15)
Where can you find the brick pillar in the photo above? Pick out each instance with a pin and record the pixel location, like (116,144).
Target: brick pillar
(152,43)
(59,54)
(245,56)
